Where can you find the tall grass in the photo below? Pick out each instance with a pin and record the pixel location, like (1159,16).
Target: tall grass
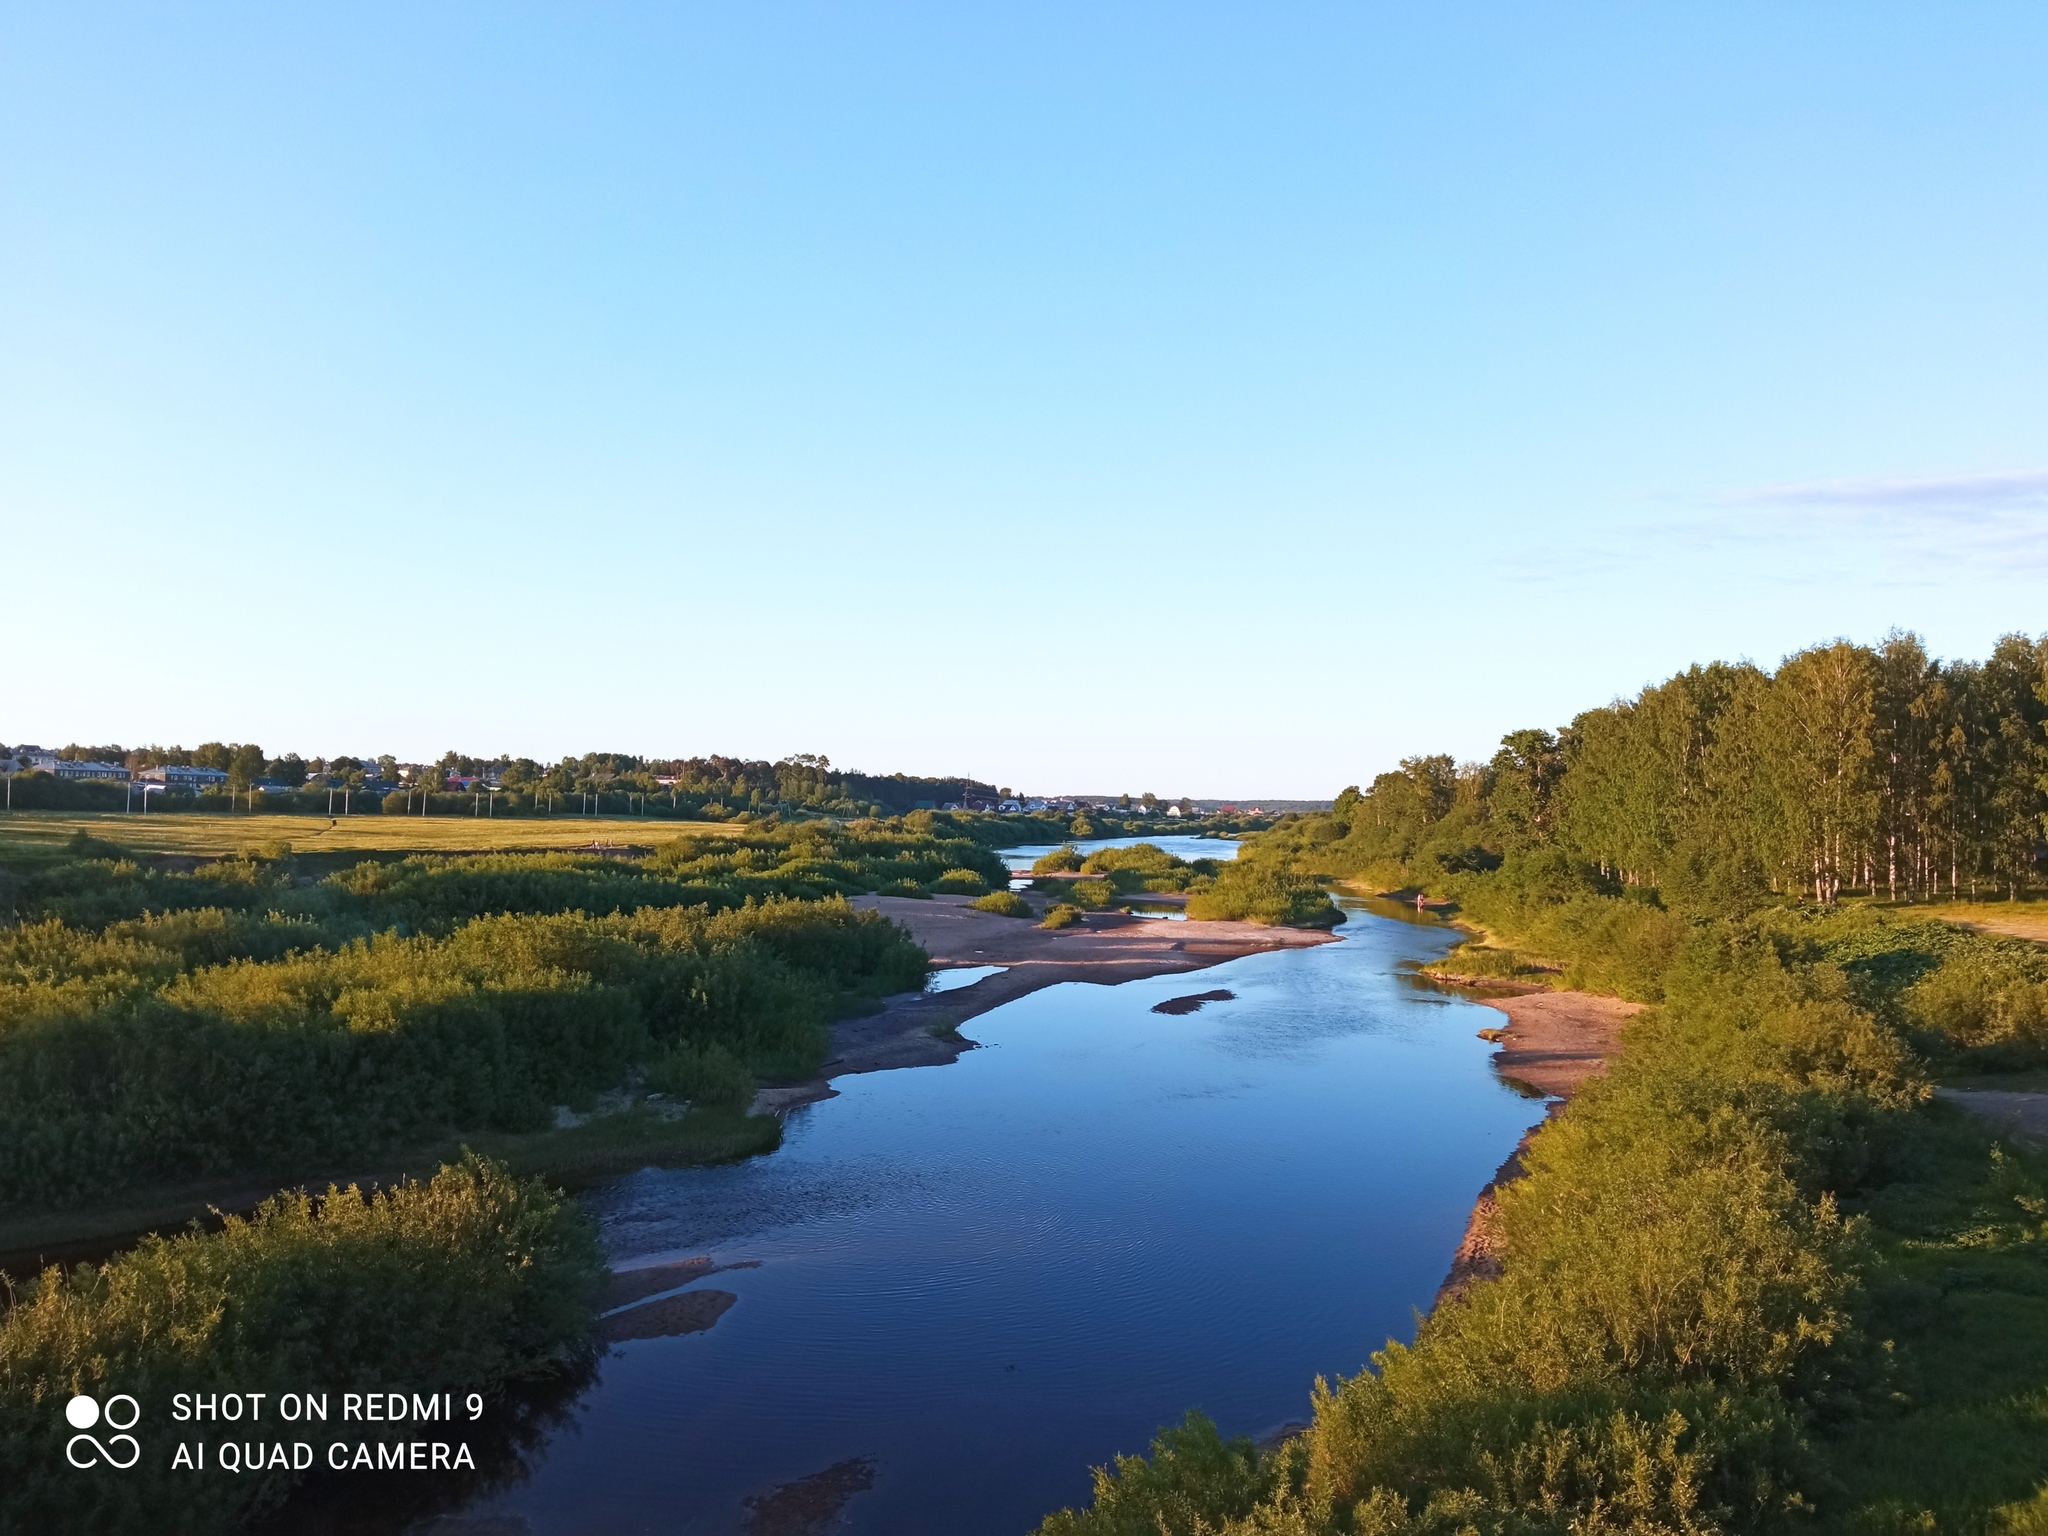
(466,1283)
(120,1063)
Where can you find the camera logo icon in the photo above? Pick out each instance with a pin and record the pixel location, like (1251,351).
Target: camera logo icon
(82,1413)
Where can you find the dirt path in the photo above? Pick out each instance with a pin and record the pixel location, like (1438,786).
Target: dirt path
(918,1029)
(2032,925)
(2021,1113)
(1552,1042)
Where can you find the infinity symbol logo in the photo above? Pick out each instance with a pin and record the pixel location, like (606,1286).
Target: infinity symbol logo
(83,1412)
(71,1451)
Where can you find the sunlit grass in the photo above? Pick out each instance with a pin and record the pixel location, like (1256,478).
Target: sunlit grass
(194,835)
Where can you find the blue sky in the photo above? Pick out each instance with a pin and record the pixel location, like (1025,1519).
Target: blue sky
(1210,400)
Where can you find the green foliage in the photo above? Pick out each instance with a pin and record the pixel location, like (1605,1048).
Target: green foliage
(1065,859)
(1061,915)
(1089,895)
(1727,787)
(702,1074)
(1684,1335)
(1259,893)
(960,882)
(292,1026)
(1140,867)
(1003,904)
(1194,1478)
(1681,1337)
(1677,1306)
(467,1283)
(1485,960)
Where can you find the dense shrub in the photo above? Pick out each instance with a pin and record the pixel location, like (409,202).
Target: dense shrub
(1088,895)
(1255,893)
(1003,904)
(119,1061)
(1145,867)
(960,882)
(1061,915)
(1679,1300)
(703,1074)
(466,1283)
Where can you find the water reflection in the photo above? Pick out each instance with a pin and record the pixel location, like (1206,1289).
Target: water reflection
(976,1281)
(954,978)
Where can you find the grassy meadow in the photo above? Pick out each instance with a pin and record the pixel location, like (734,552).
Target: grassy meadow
(46,834)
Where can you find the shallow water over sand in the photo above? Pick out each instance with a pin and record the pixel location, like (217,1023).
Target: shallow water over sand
(986,1277)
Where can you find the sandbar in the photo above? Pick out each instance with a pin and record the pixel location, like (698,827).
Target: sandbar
(920,1029)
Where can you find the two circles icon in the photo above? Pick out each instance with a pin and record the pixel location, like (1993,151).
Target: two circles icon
(83,1412)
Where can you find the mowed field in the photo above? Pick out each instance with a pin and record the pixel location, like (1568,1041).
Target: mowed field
(45,833)
(2026,918)
(2021,919)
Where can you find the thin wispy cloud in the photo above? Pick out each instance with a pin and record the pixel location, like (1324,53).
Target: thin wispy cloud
(2017,491)
(1906,532)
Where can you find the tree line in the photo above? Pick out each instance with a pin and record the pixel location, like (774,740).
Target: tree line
(1869,768)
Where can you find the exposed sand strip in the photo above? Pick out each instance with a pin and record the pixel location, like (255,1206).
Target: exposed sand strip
(915,1029)
(1552,1042)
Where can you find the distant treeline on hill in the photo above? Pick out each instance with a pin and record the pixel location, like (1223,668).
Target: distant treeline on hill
(601,783)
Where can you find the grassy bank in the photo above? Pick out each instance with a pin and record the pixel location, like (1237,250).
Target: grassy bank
(179,1033)
(468,1283)
(1757,1277)
(642,1136)
(1754,1279)
(164,1023)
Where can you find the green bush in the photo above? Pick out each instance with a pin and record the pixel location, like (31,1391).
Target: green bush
(1141,867)
(1061,915)
(1484,960)
(960,882)
(1257,894)
(1003,904)
(466,1283)
(1678,1303)
(119,1063)
(708,1075)
(1090,895)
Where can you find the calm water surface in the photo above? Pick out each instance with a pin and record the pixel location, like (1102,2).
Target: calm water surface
(991,1275)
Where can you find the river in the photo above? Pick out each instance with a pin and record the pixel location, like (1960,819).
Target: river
(976,1281)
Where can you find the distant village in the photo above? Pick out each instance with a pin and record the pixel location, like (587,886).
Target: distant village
(376,777)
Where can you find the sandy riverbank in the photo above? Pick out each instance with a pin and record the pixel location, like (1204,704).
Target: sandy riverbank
(917,1029)
(1552,1043)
